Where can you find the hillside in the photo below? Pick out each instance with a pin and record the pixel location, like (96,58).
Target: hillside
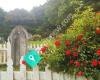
(40,20)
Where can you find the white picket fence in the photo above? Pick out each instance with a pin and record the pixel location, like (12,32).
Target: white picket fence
(36,75)
(22,74)
(36,47)
(5,50)
(3,53)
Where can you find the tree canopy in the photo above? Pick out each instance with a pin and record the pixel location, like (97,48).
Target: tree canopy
(43,19)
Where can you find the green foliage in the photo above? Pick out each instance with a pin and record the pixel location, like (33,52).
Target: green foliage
(42,41)
(36,37)
(86,48)
(44,19)
(83,21)
(3,67)
(2,15)
(83,38)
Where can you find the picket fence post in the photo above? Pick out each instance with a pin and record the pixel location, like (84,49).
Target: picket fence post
(48,74)
(9,69)
(36,73)
(22,69)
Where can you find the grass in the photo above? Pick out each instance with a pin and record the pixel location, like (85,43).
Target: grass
(3,67)
(17,68)
(42,41)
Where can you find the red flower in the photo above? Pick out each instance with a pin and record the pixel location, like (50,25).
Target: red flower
(68,52)
(75,54)
(94,63)
(98,52)
(74,49)
(77,64)
(98,31)
(23,62)
(80,37)
(98,62)
(71,61)
(80,73)
(57,43)
(43,49)
(67,42)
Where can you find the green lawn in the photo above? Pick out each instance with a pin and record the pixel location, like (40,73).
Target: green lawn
(3,67)
(43,41)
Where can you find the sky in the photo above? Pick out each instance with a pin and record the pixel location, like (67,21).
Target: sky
(9,5)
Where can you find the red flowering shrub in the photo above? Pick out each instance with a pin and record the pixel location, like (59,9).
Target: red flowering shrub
(68,52)
(94,63)
(80,73)
(80,37)
(98,31)
(74,49)
(98,52)
(23,62)
(77,64)
(76,56)
(98,62)
(71,61)
(67,42)
(57,43)
(43,50)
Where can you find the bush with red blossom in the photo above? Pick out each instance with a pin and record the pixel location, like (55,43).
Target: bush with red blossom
(23,62)
(80,56)
(78,52)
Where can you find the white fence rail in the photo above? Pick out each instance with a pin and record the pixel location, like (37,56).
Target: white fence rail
(36,75)
(5,50)
(36,47)
(3,53)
